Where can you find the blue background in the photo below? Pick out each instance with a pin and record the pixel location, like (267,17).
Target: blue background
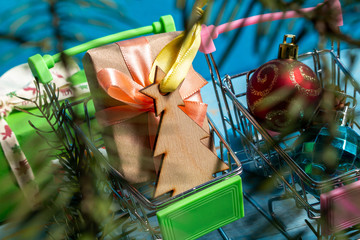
(82,21)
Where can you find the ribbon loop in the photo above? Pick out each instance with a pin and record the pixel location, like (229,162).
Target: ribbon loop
(122,88)
(176,58)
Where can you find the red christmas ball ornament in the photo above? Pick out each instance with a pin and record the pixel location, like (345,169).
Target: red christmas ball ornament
(284,93)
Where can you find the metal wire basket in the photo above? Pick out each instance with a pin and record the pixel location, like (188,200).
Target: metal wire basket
(137,201)
(268,155)
(142,207)
(189,209)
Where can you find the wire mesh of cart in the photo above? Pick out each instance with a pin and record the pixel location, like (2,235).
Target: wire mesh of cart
(331,203)
(184,216)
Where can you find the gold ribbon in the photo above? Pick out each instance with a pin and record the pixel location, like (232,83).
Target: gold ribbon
(176,58)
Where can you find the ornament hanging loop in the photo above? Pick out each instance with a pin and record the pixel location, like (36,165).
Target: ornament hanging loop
(288,50)
(291,36)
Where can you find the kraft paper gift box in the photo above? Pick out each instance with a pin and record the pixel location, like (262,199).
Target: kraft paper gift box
(129,136)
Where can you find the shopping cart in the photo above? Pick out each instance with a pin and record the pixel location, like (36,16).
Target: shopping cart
(335,211)
(188,215)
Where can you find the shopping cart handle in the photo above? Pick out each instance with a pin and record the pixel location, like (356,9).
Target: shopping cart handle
(209,33)
(40,65)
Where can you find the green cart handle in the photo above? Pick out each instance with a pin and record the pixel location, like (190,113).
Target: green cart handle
(40,65)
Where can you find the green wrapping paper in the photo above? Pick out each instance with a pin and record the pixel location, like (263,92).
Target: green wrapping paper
(34,147)
(19,121)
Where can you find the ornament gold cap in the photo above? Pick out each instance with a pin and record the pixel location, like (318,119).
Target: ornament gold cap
(288,50)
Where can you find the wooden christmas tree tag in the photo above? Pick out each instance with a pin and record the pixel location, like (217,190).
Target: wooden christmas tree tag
(187,162)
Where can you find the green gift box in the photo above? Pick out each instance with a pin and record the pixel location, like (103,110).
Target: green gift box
(34,147)
(26,135)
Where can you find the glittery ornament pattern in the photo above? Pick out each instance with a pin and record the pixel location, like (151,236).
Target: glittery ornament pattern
(265,78)
(283,93)
(279,85)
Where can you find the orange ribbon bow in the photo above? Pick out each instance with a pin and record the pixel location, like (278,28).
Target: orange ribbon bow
(120,86)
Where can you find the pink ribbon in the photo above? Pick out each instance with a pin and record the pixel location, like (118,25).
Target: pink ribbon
(209,33)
